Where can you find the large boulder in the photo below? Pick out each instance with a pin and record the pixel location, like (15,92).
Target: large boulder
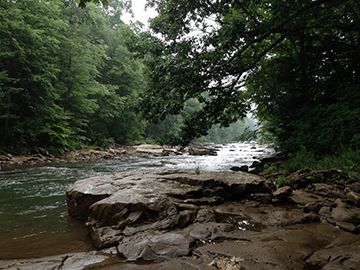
(130,203)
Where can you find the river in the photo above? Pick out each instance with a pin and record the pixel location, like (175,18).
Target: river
(33,214)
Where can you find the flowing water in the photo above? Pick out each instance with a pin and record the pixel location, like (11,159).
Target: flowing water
(33,215)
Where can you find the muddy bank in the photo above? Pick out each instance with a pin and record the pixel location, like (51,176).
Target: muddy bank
(177,219)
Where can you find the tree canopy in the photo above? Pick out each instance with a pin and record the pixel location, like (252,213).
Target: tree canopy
(296,61)
(66,75)
(74,73)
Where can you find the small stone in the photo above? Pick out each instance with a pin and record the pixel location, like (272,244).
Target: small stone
(325,211)
(342,214)
(262,197)
(312,207)
(354,197)
(283,192)
(244,168)
(346,226)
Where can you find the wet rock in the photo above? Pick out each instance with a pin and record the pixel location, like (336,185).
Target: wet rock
(300,179)
(202,151)
(5,158)
(343,252)
(273,159)
(342,214)
(286,248)
(354,197)
(256,171)
(312,207)
(262,197)
(243,168)
(301,198)
(355,187)
(269,145)
(155,150)
(282,193)
(327,191)
(41,156)
(346,226)
(205,215)
(302,246)
(257,216)
(42,151)
(150,245)
(133,202)
(71,261)
(207,232)
(83,193)
(325,211)
(105,237)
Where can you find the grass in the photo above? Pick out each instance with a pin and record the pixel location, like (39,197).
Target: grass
(348,161)
(197,168)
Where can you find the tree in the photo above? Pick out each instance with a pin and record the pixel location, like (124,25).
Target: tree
(121,76)
(306,90)
(210,50)
(30,38)
(66,76)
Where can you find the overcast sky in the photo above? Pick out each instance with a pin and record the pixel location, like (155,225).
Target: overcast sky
(140,14)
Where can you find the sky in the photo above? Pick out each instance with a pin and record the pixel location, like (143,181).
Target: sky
(140,14)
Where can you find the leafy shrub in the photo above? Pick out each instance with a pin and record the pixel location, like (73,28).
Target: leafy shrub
(300,160)
(347,161)
(282,180)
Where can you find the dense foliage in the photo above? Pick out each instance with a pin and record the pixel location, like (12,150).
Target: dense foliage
(73,74)
(308,91)
(298,62)
(66,76)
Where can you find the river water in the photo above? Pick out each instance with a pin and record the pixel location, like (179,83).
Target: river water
(33,214)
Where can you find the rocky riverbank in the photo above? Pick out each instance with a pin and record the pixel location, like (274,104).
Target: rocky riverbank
(192,219)
(178,219)
(41,156)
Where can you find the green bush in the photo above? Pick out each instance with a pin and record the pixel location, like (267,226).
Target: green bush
(347,160)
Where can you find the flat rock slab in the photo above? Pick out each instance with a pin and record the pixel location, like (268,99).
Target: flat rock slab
(128,203)
(146,187)
(151,245)
(65,262)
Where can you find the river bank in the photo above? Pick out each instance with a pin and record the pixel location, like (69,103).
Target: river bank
(42,157)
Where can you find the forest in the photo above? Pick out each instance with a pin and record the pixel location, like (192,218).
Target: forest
(73,73)
(68,78)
